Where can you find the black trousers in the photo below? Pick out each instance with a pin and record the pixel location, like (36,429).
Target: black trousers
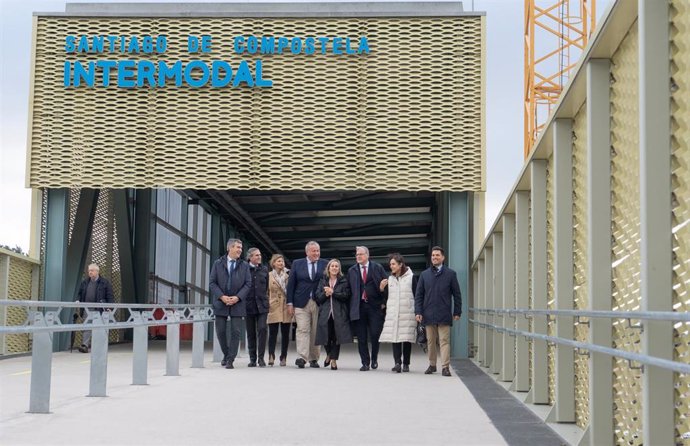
(273,338)
(256,328)
(402,349)
(332,346)
(229,345)
(368,329)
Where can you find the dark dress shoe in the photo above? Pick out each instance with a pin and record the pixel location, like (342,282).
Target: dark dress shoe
(299,362)
(406,368)
(229,365)
(251,364)
(261,362)
(430,370)
(445,371)
(334,366)
(327,362)
(223,362)
(314,364)
(396,368)
(364,368)
(83,349)
(374,365)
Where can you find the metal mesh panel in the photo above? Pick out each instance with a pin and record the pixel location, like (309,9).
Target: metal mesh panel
(42,246)
(580,262)
(19,288)
(550,279)
(327,123)
(625,228)
(680,116)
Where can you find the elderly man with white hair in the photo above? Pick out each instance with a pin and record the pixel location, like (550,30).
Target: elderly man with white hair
(93,289)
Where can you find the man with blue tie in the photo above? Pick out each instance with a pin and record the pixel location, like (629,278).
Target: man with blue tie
(367,306)
(301,288)
(229,282)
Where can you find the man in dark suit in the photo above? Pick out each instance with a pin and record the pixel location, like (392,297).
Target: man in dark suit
(93,289)
(301,288)
(257,308)
(367,305)
(229,283)
(437,304)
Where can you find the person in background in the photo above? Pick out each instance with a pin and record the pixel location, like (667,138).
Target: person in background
(278,316)
(93,289)
(437,304)
(399,327)
(257,309)
(333,298)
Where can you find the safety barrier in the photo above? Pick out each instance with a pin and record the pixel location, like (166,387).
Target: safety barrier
(99,318)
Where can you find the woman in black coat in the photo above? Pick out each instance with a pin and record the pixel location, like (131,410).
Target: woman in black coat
(333,298)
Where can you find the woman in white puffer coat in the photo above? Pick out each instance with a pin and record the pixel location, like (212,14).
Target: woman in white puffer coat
(399,327)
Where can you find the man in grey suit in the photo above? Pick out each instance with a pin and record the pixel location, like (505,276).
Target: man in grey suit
(229,282)
(437,304)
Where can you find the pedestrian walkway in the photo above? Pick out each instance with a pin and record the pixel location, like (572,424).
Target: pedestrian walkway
(275,405)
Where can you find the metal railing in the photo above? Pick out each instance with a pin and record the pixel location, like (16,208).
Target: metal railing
(669,316)
(100,318)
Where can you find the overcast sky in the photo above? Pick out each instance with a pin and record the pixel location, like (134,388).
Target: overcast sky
(503,105)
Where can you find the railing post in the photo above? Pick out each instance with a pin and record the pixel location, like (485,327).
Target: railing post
(496,363)
(655,217)
(539,393)
(41,361)
(489,300)
(99,352)
(508,370)
(140,348)
(217,351)
(564,405)
(522,288)
(197,340)
(599,248)
(172,344)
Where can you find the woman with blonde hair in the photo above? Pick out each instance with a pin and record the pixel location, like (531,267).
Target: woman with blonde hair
(278,316)
(333,298)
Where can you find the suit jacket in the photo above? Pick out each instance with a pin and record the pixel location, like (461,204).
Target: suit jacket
(104,291)
(300,286)
(239,286)
(437,297)
(375,274)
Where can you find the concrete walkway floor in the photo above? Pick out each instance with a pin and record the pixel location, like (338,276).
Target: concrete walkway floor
(272,405)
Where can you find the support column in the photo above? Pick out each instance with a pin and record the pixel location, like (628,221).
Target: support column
(57,228)
(540,360)
(144,242)
(522,288)
(497,362)
(508,370)
(489,301)
(563,267)
(599,248)
(481,303)
(459,251)
(655,217)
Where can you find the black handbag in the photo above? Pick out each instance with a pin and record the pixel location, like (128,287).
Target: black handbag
(421,336)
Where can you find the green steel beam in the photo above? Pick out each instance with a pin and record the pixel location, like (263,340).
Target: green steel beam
(310,206)
(123,225)
(459,254)
(356,219)
(295,237)
(144,238)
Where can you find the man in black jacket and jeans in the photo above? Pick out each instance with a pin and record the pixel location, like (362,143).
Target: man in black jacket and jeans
(437,303)
(257,308)
(229,283)
(93,289)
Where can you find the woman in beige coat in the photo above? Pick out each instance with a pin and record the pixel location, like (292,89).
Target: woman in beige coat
(399,327)
(278,316)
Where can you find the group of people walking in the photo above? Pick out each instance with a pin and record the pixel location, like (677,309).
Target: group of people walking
(330,307)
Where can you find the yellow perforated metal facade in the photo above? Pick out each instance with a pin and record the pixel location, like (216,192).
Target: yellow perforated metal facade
(580,262)
(16,278)
(680,163)
(625,229)
(407,116)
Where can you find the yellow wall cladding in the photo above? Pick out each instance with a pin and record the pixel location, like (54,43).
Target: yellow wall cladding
(680,180)
(18,287)
(407,116)
(580,262)
(625,229)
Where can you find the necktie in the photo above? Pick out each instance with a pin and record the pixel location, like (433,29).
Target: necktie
(230,270)
(312,275)
(364,281)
